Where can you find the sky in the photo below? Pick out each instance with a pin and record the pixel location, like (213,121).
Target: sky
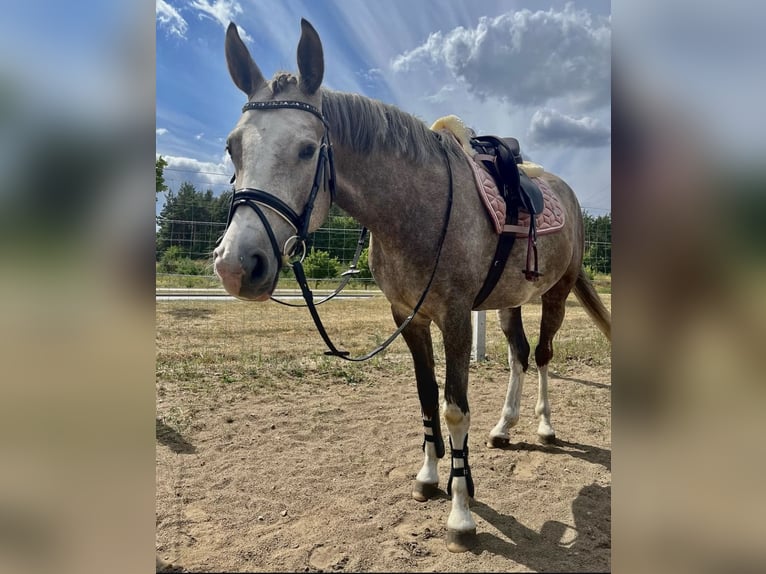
(538,71)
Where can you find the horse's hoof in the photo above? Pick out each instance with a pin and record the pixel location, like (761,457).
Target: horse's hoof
(546,439)
(422,491)
(460,541)
(498,442)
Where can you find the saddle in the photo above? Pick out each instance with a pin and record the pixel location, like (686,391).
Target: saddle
(501,157)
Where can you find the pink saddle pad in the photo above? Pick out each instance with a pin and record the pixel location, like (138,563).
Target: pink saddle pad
(549,221)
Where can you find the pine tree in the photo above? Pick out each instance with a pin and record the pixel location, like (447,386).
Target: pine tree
(192,220)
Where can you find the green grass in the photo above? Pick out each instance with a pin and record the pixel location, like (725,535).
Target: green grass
(187,281)
(172,281)
(601,281)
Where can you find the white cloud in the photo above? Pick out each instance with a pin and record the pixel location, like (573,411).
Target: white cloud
(216,175)
(161,131)
(222,11)
(550,127)
(169,18)
(199,136)
(541,76)
(524,57)
(441,95)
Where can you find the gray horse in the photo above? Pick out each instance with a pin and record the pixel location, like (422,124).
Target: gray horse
(399,179)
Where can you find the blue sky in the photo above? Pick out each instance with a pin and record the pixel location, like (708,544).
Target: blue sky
(539,71)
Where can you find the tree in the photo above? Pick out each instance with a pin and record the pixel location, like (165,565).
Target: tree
(159,167)
(220,207)
(192,220)
(598,243)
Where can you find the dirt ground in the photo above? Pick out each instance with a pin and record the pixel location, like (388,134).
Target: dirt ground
(316,476)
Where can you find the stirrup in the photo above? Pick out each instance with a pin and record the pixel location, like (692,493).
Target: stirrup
(529,274)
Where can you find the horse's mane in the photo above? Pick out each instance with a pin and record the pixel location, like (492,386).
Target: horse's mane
(370,126)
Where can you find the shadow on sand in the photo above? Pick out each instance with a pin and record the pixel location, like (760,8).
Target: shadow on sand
(172,439)
(588,453)
(589,550)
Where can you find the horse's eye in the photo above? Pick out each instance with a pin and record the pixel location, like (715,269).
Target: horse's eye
(307,151)
(228,150)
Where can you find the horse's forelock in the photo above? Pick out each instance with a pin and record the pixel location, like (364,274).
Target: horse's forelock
(281,82)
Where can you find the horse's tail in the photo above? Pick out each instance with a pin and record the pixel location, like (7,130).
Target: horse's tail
(594,306)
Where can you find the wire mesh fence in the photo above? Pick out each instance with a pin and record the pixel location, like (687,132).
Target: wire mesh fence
(185,246)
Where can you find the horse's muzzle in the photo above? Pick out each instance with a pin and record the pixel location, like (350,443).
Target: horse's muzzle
(244,276)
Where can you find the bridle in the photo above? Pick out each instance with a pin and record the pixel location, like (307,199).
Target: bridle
(323,176)
(258,198)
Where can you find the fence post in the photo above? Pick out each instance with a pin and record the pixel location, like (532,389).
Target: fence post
(479,343)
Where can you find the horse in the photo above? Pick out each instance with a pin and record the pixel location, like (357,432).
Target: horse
(413,188)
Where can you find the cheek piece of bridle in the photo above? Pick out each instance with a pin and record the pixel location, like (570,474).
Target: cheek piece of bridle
(296,244)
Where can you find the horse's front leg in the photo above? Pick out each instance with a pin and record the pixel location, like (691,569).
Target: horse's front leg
(461,528)
(417,335)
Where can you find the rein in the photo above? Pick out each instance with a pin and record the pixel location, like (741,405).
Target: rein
(345,276)
(308,296)
(257,198)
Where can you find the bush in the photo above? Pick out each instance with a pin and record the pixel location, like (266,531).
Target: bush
(364,264)
(174,262)
(320,265)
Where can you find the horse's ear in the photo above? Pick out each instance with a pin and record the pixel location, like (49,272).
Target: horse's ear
(310,59)
(242,68)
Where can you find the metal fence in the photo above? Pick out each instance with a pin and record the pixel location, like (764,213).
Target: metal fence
(194,241)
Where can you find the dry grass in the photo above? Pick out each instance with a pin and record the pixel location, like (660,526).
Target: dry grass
(224,347)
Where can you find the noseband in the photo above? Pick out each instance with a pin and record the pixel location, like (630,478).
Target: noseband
(258,198)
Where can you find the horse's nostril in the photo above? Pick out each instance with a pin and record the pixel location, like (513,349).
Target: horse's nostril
(215,253)
(258,267)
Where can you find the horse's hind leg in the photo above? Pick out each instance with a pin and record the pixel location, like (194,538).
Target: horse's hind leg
(518,360)
(417,335)
(554,302)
